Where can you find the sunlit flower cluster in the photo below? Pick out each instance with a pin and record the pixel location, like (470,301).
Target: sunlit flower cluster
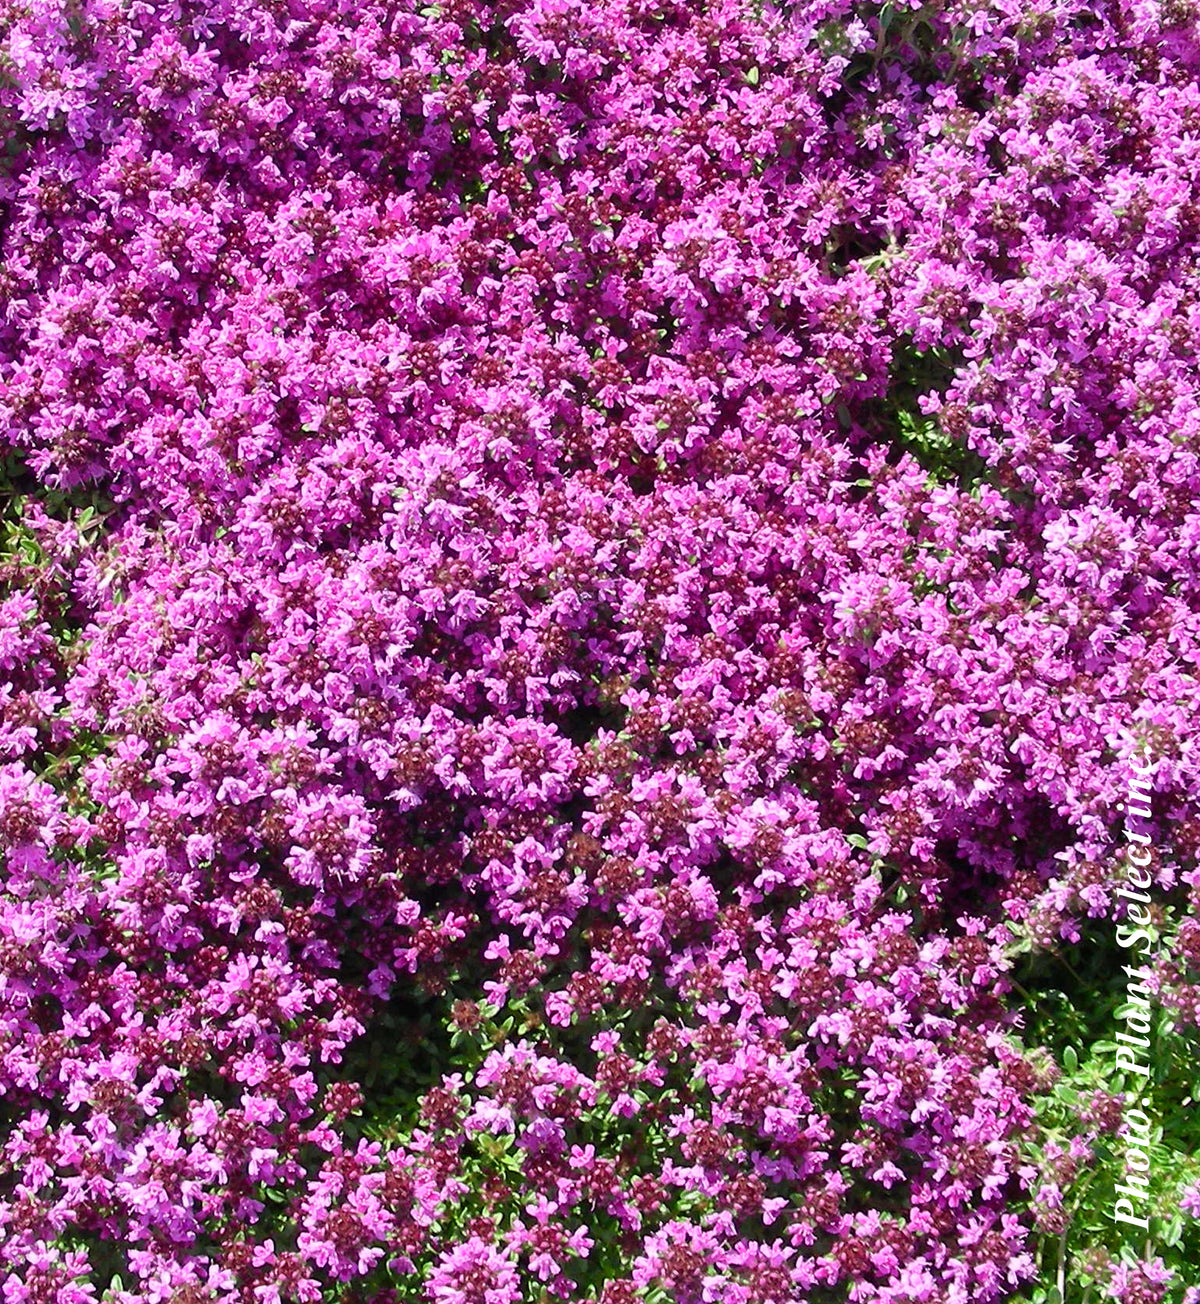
(569,575)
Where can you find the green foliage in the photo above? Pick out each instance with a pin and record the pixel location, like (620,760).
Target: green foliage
(1072,1001)
(910,37)
(30,564)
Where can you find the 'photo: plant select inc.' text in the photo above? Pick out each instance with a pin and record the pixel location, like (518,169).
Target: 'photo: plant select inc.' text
(1133,1042)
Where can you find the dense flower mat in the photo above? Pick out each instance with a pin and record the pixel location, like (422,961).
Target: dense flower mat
(570,568)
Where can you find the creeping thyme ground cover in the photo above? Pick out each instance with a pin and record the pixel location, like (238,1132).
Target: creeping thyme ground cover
(581,584)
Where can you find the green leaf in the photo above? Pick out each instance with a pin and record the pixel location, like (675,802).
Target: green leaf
(1070,1059)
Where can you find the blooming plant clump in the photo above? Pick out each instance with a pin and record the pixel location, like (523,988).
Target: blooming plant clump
(580,585)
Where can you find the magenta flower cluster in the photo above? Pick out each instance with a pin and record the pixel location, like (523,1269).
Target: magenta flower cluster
(573,573)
